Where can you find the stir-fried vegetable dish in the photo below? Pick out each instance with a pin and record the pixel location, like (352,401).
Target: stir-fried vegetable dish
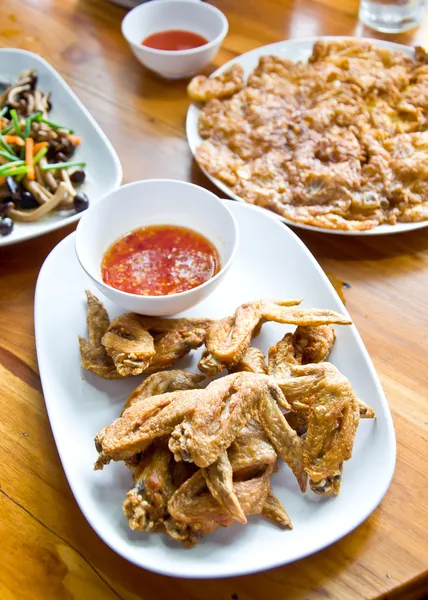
(37,173)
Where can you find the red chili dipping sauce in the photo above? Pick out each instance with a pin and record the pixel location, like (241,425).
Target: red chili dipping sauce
(159,260)
(174,39)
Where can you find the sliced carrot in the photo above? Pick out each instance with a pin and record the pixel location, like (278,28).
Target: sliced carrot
(39,146)
(29,147)
(74,139)
(2,180)
(14,139)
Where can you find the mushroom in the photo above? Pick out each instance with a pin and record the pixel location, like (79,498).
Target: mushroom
(29,99)
(13,99)
(66,179)
(29,76)
(41,102)
(48,176)
(39,192)
(27,82)
(61,195)
(38,175)
(46,103)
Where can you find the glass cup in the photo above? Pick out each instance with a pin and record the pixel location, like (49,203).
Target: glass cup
(392,16)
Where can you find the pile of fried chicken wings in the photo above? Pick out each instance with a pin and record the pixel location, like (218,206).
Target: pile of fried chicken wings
(203,457)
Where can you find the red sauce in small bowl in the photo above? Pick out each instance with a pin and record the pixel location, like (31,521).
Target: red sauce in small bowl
(174,39)
(159,260)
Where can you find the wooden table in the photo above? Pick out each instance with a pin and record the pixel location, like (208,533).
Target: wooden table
(47,549)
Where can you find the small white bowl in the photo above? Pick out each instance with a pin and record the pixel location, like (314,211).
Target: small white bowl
(161,15)
(155,202)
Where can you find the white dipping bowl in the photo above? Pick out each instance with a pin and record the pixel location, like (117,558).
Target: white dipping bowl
(155,202)
(162,15)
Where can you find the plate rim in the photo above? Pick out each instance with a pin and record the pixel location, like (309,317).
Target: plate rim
(162,569)
(194,109)
(7,241)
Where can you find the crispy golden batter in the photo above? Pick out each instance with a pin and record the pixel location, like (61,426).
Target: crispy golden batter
(306,345)
(145,505)
(219,480)
(203,458)
(211,426)
(163,382)
(253,361)
(281,357)
(324,405)
(332,423)
(142,423)
(93,354)
(231,479)
(172,345)
(130,345)
(229,403)
(251,450)
(227,340)
(313,344)
(202,89)
(339,142)
(191,506)
(133,344)
(274,511)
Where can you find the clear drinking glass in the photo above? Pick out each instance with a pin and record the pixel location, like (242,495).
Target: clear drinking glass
(392,16)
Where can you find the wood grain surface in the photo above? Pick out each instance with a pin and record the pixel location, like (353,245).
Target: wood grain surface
(47,549)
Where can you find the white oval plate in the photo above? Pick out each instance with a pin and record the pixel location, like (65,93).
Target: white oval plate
(296,50)
(79,404)
(103,171)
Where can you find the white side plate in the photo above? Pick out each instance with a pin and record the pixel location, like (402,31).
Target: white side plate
(103,170)
(296,50)
(273,263)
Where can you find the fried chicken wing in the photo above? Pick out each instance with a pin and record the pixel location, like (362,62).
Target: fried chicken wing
(203,458)
(230,403)
(173,345)
(145,505)
(253,361)
(313,344)
(211,427)
(228,340)
(142,423)
(130,345)
(283,438)
(332,423)
(245,458)
(306,345)
(93,354)
(250,450)
(191,505)
(274,511)
(281,357)
(163,382)
(133,344)
(304,317)
(219,480)
(202,89)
